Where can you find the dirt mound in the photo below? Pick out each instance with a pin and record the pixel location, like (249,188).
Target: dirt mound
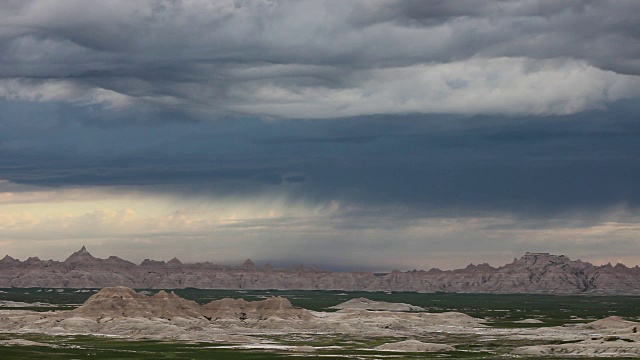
(611,322)
(123,301)
(275,308)
(367,304)
(414,346)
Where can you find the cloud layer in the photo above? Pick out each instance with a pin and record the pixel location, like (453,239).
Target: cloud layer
(389,132)
(323,59)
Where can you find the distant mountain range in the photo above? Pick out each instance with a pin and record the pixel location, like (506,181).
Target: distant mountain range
(532,273)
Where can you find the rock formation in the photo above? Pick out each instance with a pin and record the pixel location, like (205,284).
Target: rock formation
(120,301)
(414,346)
(366,304)
(277,307)
(125,302)
(608,337)
(532,273)
(121,311)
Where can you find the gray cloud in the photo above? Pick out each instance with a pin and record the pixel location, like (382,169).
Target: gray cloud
(431,164)
(323,59)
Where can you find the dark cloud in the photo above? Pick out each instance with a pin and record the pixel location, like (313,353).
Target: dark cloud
(427,164)
(603,33)
(326,59)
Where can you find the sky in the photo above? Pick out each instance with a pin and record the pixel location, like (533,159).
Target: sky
(368,135)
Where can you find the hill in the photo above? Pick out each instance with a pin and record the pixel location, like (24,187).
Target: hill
(532,273)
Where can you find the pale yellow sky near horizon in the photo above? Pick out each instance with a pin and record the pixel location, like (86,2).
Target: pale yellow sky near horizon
(52,223)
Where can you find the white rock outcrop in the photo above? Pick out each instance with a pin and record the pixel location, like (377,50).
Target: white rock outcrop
(414,346)
(366,304)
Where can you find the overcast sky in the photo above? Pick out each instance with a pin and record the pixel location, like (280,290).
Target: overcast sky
(370,134)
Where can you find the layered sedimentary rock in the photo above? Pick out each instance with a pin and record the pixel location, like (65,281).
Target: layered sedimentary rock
(121,301)
(121,311)
(532,273)
(367,304)
(608,337)
(277,307)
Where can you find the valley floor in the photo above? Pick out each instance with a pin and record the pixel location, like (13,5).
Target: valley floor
(121,323)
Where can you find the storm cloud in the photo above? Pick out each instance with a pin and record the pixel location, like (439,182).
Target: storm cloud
(316,130)
(323,59)
(526,165)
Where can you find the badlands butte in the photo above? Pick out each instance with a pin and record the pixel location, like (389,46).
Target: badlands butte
(532,273)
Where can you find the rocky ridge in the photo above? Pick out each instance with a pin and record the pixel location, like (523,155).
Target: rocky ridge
(125,302)
(121,311)
(532,273)
(120,301)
